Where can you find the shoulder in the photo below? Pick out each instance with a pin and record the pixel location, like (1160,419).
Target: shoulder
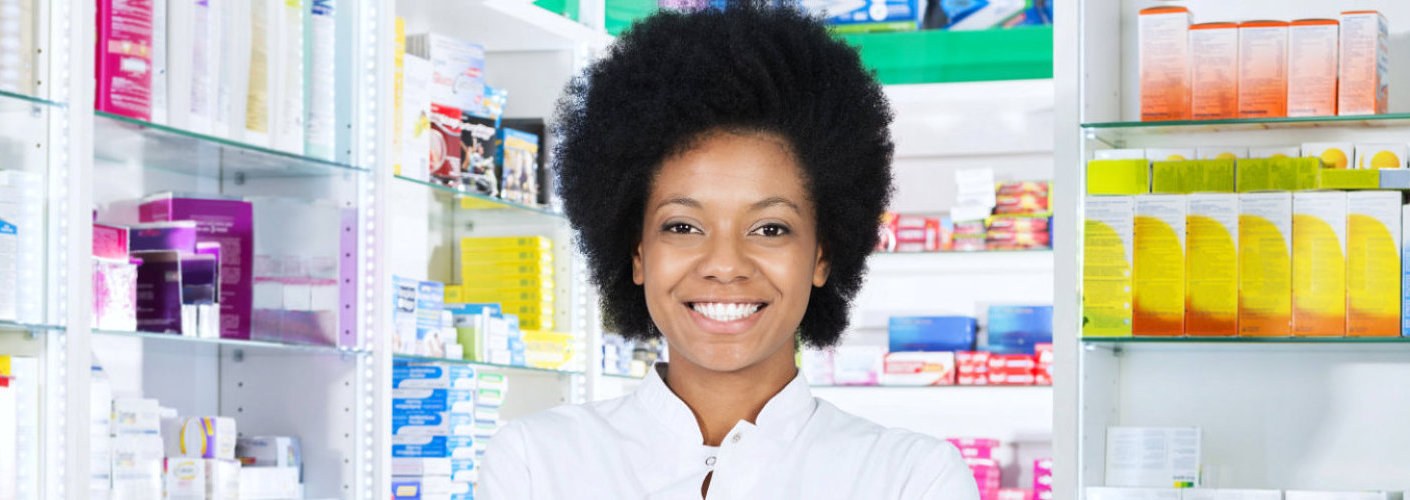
(922,463)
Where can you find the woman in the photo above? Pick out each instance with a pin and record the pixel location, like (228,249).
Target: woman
(726,171)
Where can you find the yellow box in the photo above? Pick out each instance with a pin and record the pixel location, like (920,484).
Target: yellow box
(526,308)
(1319,264)
(1106,266)
(1333,154)
(1373,278)
(545,256)
(1380,156)
(484,296)
(1196,176)
(470,272)
(1211,265)
(1158,294)
(1312,67)
(1118,177)
(1214,71)
(1263,69)
(548,350)
(506,243)
(1348,179)
(1222,153)
(1265,264)
(1171,154)
(1363,80)
(1279,174)
(498,282)
(1164,63)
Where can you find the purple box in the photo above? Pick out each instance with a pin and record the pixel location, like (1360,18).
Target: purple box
(159,291)
(178,236)
(230,223)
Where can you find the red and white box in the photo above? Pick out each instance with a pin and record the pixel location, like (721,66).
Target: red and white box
(1044,373)
(975,447)
(918,368)
(972,367)
(986,476)
(1012,369)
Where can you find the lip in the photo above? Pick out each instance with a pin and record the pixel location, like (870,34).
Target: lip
(725,328)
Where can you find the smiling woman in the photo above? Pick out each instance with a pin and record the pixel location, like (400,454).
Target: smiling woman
(726,171)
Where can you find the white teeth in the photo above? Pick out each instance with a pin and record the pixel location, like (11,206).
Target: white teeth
(726,312)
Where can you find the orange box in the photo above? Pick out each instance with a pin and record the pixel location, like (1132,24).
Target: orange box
(1312,67)
(1214,71)
(1365,64)
(1263,69)
(1165,63)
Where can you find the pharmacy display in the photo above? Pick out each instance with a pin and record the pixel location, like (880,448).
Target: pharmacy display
(945,350)
(911,15)
(980,454)
(1220,70)
(1298,241)
(443,416)
(1002,216)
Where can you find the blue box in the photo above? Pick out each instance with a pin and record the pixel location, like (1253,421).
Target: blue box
(881,15)
(437,423)
(406,490)
(932,333)
(1015,329)
(433,400)
(433,446)
(416,375)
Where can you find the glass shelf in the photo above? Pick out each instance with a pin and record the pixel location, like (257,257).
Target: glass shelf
(1117,132)
(956,387)
(14,326)
(1247,340)
(123,139)
(10,101)
(623,377)
(482,202)
(490,366)
(1261,344)
(250,344)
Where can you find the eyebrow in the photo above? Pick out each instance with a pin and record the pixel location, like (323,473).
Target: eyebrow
(766,203)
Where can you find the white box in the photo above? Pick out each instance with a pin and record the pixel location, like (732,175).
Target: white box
(857,365)
(433,376)
(1152,457)
(137,467)
(1227,494)
(1341,495)
(270,451)
(416,118)
(1283,152)
(222,480)
(420,466)
(918,368)
(1380,156)
(136,416)
(200,437)
(1169,154)
(1333,154)
(185,478)
(1120,154)
(1222,153)
(270,483)
(1101,493)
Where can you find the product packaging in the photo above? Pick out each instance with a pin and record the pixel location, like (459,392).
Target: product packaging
(1153,457)
(447,153)
(975,447)
(124,52)
(413,375)
(931,333)
(1263,69)
(1107,266)
(1012,369)
(1342,495)
(1175,154)
(857,365)
(1222,153)
(137,467)
(269,451)
(1214,71)
(270,483)
(1108,493)
(424,401)
(1319,264)
(457,70)
(1278,174)
(1265,244)
(478,172)
(1018,329)
(320,55)
(1373,274)
(417,132)
(1333,154)
(885,16)
(1350,179)
(1193,176)
(918,368)
(1405,270)
(1043,479)
(1119,154)
(1397,179)
(1277,152)
(114,280)
(136,416)
(229,223)
(1228,494)
(519,167)
(987,475)
(1043,375)
(1212,265)
(1380,156)
(427,446)
(1312,67)
(1363,80)
(200,437)
(1165,63)
(1118,177)
(185,478)
(411,423)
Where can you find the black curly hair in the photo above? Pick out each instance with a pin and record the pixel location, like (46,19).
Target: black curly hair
(675,77)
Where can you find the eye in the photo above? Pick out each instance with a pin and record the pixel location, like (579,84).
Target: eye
(679,228)
(772,230)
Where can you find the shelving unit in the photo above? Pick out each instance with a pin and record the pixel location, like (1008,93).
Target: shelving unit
(1275,413)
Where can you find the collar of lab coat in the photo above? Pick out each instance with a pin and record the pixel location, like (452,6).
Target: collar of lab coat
(781,418)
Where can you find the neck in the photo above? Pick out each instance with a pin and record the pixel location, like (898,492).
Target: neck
(720,400)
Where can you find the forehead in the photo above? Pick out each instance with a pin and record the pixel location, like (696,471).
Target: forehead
(722,165)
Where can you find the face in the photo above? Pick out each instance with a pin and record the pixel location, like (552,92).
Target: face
(729,252)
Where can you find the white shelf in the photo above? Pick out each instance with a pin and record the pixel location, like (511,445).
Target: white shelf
(960,262)
(500,25)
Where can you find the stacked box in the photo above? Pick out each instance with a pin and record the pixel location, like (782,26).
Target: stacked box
(515,272)
(433,425)
(489,398)
(1043,375)
(1043,479)
(987,475)
(975,447)
(1012,369)
(972,367)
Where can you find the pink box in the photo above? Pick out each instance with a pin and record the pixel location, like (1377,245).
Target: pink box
(1015,494)
(124,58)
(114,295)
(1043,478)
(109,242)
(228,222)
(987,476)
(975,447)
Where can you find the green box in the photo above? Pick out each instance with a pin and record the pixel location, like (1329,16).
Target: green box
(1335,178)
(1192,176)
(1278,174)
(1118,177)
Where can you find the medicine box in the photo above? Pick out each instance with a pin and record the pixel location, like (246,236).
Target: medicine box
(1373,274)
(1214,71)
(1333,154)
(931,333)
(200,437)
(1405,271)
(1163,34)
(1363,79)
(1018,329)
(1147,457)
(457,69)
(1229,494)
(269,451)
(1171,154)
(1118,177)
(1159,270)
(1312,67)
(1342,495)
(1380,156)
(270,483)
(433,400)
(857,365)
(1263,69)
(424,446)
(136,416)
(974,447)
(918,368)
(185,478)
(1107,266)
(1275,152)
(409,375)
(1319,264)
(1221,153)
(229,223)
(1108,493)
(1265,264)
(433,423)
(437,486)
(1212,265)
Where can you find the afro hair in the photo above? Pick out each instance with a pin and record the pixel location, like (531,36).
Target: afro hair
(674,77)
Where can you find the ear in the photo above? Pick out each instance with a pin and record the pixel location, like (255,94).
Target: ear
(638,276)
(821,269)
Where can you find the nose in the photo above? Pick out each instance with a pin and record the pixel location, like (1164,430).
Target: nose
(725,260)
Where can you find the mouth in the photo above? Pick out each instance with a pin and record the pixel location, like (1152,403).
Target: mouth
(727,311)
